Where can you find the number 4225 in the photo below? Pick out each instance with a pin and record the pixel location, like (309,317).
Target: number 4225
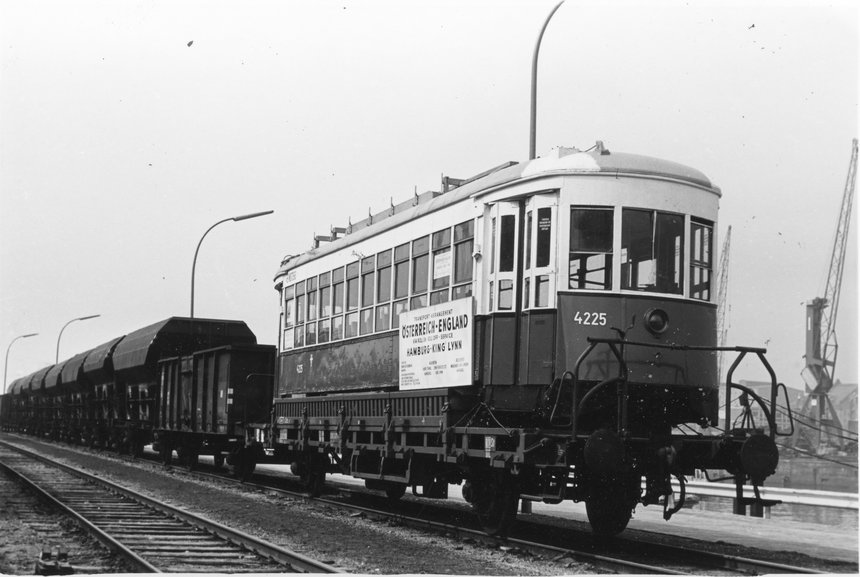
(593,319)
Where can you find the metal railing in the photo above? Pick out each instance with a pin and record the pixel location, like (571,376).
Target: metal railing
(813,498)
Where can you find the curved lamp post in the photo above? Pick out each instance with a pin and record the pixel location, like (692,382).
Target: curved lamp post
(6,365)
(533,118)
(64,328)
(194,264)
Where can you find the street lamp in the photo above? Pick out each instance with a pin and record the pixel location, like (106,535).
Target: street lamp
(6,364)
(194,263)
(64,328)
(533,115)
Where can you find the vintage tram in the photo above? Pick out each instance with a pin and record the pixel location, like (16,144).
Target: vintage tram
(544,331)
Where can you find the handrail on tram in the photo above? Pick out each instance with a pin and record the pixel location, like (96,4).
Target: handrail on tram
(617,345)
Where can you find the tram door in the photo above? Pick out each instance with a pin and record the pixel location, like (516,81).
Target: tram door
(519,339)
(538,297)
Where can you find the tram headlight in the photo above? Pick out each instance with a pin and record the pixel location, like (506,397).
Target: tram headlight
(656,321)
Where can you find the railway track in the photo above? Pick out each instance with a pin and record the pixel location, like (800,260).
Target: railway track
(150,536)
(53,542)
(625,555)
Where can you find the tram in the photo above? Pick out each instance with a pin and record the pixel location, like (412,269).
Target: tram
(542,331)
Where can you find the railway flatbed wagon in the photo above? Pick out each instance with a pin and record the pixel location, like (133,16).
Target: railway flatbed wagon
(544,330)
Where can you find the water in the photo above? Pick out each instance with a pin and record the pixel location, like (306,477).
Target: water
(812,473)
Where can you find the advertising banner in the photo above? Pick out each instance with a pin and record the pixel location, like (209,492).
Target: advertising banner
(436,346)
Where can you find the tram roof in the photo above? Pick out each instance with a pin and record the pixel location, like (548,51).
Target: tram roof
(562,161)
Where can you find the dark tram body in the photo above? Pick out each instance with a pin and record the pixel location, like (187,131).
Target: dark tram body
(543,331)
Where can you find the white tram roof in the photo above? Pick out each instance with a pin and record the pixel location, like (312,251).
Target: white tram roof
(561,161)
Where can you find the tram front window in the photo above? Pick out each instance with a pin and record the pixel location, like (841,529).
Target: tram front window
(590,262)
(652,251)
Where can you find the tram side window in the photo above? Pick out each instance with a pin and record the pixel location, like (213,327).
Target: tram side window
(289,316)
(401,283)
(352,286)
(338,291)
(652,251)
(464,241)
(383,291)
(324,325)
(441,266)
(368,286)
(590,260)
(507,243)
(300,314)
(420,272)
(701,259)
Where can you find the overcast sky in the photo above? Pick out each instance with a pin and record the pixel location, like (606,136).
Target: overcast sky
(128,128)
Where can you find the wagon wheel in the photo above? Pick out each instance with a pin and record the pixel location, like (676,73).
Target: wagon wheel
(137,448)
(610,504)
(495,500)
(166,453)
(395,491)
(188,457)
(244,463)
(312,475)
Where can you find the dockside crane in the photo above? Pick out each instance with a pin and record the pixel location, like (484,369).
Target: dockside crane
(821,343)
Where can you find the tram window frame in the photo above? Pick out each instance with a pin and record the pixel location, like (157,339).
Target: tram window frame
(337,328)
(324,331)
(384,276)
(463,266)
(543,234)
(701,259)
(651,239)
(441,262)
(507,243)
(591,241)
(528,250)
(542,293)
(289,318)
(382,320)
(368,282)
(401,271)
(350,322)
(352,286)
(310,333)
(300,303)
(338,292)
(289,306)
(311,284)
(420,272)
(365,321)
(325,308)
(506,294)
(397,307)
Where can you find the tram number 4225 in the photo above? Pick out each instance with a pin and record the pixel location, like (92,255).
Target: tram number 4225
(592,319)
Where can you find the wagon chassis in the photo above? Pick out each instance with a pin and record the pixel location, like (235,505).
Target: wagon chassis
(392,449)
